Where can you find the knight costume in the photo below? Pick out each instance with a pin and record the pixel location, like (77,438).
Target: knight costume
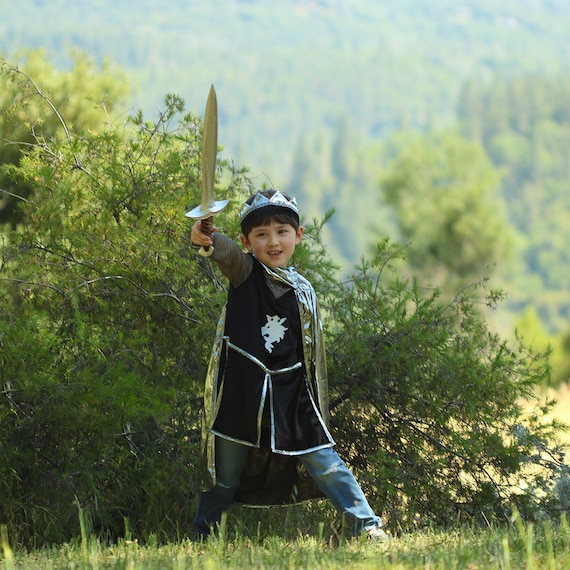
(266,384)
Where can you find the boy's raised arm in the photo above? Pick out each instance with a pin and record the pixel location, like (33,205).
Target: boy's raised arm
(227,254)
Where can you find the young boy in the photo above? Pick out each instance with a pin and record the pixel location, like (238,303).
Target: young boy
(265,420)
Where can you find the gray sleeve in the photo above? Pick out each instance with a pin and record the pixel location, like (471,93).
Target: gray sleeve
(233,262)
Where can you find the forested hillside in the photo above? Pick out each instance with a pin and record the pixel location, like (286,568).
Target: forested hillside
(290,68)
(310,91)
(524,125)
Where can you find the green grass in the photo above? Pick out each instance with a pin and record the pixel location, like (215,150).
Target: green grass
(546,545)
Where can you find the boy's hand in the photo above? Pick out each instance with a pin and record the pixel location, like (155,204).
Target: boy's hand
(198,237)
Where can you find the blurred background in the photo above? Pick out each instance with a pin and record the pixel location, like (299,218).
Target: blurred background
(440,123)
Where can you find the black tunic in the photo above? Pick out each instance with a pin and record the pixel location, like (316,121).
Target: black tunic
(262,388)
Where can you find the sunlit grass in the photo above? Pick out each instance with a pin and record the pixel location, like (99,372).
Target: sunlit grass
(562,408)
(517,546)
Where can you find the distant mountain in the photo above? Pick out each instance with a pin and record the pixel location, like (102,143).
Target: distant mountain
(288,69)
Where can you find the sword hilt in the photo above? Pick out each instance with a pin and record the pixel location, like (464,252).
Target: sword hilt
(207,227)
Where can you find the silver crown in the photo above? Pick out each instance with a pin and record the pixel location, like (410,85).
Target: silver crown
(260,201)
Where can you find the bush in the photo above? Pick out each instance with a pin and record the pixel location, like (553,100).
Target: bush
(429,404)
(106,330)
(106,327)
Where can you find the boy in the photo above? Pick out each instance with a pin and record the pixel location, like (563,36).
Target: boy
(265,421)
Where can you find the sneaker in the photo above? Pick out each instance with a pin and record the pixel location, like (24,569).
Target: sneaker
(376,534)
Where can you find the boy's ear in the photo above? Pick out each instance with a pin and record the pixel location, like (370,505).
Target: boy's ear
(245,242)
(300,232)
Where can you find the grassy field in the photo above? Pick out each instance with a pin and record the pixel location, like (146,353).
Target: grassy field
(546,545)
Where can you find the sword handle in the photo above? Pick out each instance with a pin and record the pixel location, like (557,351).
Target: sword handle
(207,225)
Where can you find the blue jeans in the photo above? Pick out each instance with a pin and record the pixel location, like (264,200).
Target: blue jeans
(324,466)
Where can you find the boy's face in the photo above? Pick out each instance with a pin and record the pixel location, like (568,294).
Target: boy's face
(273,244)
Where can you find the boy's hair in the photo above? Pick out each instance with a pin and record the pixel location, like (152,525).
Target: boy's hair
(264,216)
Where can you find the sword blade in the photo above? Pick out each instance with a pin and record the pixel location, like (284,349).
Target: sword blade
(209,150)
(208,205)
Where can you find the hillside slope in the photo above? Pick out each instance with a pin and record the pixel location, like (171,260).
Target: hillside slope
(291,68)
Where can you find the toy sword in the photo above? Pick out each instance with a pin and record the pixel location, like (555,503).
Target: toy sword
(208,207)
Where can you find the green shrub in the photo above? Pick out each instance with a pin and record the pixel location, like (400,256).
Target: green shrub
(106,330)
(106,327)
(431,406)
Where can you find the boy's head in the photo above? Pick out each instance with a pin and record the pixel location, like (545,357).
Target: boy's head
(266,206)
(270,227)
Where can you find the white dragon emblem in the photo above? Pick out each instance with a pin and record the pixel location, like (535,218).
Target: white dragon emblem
(273,331)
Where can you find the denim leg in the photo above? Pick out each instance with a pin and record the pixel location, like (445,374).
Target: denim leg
(230,459)
(335,480)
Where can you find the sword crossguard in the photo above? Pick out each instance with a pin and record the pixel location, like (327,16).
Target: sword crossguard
(206,215)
